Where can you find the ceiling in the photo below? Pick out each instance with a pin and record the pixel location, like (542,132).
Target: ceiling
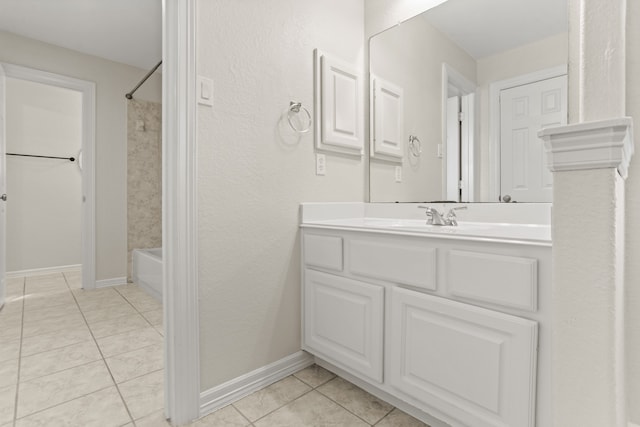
(127,31)
(130,31)
(486,27)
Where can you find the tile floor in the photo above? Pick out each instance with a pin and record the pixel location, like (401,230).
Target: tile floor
(70,357)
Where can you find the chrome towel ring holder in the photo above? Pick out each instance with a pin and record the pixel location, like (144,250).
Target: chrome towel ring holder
(296,109)
(415,146)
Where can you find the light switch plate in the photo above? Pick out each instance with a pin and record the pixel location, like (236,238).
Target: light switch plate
(321,164)
(205,91)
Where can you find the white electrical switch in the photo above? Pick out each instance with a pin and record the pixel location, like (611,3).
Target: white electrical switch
(321,164)
(205,91)
(398,173)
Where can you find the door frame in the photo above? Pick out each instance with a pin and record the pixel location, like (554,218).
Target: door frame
(494,118)
(88,92)
(180,212)
(452,77)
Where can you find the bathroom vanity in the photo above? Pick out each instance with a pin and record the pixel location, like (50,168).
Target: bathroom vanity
(453,321)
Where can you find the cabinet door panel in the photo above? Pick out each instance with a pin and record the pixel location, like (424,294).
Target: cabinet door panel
(475,364)
(343,321)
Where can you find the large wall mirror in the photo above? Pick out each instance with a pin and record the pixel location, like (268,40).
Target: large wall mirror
(458,95)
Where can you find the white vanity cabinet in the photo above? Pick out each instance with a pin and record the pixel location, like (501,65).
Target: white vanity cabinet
(343,322)
(476,365)
(455,327)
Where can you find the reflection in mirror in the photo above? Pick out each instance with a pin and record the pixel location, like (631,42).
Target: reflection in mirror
(473,82)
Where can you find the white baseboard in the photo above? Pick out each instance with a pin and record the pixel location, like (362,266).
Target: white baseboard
(231,391)
(42,271)
(105,283)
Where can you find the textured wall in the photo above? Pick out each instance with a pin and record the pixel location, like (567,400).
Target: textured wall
(632,214)
(44,208)
(253,172)
(144,176)
(112,80)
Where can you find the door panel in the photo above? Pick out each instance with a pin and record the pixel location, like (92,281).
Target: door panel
(524,110)
(3,190)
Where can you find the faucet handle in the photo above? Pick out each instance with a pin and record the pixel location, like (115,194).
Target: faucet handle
(451,218)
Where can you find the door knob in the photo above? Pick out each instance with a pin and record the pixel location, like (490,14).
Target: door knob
(506,198)
(3,197)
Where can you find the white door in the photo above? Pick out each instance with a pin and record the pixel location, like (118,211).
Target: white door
(453,149)
(3,191)
(524,110)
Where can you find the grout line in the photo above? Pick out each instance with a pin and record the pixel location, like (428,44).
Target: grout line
(15,403)
(126,407)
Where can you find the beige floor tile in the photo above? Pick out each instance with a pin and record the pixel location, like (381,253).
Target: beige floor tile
(314,376)
(144,395)
(159,329)
(103,408)
(156,419)
(312,409)
(154,317)
(11,310)
(7,404)
(118,326)
(89,304)
(49,313)
(45,326)
(227,416)
(108,313)
(260,403)
(130,289)
(46,288)
(9,350)
(366,406)
(44,392)
(139,362)
(128,341)
(39,301)
(10,330)
(14,288)
(146,304)
(8,373)
(397,418)
(56,339)
(15,281)
(57,360)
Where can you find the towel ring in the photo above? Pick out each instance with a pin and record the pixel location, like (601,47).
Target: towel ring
(295,109)
(415,146)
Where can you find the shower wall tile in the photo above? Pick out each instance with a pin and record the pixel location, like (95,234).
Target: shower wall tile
(144,177)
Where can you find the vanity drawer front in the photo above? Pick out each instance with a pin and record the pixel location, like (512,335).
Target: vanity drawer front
(496,279)
(413,265)
(323,251)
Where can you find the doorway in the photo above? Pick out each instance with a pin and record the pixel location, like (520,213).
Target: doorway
(46,186)
(519,108)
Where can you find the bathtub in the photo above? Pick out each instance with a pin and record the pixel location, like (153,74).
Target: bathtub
(147,270)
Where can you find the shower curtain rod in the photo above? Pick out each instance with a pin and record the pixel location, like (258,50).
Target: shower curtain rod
(71,159)
(144,79)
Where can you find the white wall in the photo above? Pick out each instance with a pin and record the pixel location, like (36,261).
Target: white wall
(112,80)
(632,280)
(411,56)
(253,172)
(546,53)
(383,14)
(45,195)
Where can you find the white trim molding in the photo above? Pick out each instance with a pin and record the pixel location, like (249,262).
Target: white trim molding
(106,283)
(41,271)
(231,391)
(88,91)
(179,222)
(590,145)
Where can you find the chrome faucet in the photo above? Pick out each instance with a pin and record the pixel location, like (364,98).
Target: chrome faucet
(436,218)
